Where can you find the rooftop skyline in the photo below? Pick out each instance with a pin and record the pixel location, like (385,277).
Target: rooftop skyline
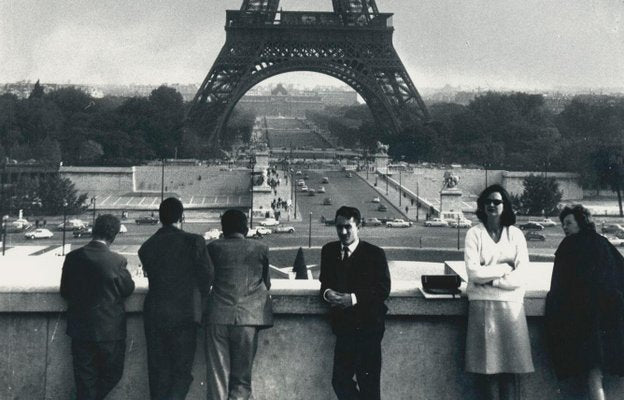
(513,44)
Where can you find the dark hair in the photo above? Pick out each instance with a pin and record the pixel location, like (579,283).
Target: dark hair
(234,221)
(582,216)
(348,213)
(508,217)
(170,211)
(106,227)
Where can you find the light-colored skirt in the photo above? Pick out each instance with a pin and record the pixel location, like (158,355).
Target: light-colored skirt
(497,340)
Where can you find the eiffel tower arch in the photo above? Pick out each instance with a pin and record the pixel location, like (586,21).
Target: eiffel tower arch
(353,44)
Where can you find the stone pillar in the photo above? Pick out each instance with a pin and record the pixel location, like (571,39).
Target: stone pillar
(450,200)
(381,162)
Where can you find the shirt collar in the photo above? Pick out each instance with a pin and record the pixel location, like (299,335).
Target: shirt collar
(351,247)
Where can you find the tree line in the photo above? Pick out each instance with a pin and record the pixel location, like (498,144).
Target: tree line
(69,125)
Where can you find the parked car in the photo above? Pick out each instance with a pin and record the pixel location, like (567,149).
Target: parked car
(301,182)
(298,173)
(321,189)
(611,228)
(327,201)
(545,222)
(71,225)
(398,223)
(146,220)
(269,222)
(371,222)
(463,223)
(376,200)
(303,188)
(531,226)
(311,192)
(435,222)
(349,175)
(284,229)
(325,180)
(534,235)
(382,208)
(213,233)
(616,241)
(39,233)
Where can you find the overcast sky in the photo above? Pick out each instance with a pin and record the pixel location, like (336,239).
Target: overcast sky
(520,44)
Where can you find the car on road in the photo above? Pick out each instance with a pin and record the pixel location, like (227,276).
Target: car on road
(327,201)
(349,175)
(376,200)
(284,229)
(382,208)
(303,188)
(398,223)
(146,220)
(269,222)
(86,231)
(71,225)
(435,222)
(213,233)
(325,180)
(301,182)
(534,235)
(258,232)
(616,241)
(533,226)
(321,189)
(311,192)
(545,222)
(298,173)
(463,223)
(371,222)
(39,233)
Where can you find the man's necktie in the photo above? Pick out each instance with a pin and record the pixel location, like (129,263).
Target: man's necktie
(345,253)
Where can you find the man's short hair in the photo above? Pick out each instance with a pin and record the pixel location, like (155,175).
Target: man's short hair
(348,213)
(234,221)
(106,227)
(170,211)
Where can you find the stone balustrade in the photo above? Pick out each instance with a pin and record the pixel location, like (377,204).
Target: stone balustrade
(423,346)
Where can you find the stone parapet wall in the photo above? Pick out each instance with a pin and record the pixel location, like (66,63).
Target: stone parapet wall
(423,348)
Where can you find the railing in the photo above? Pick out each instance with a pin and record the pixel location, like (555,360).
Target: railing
(237,18)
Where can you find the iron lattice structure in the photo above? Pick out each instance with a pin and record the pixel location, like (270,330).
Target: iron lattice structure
(352,44)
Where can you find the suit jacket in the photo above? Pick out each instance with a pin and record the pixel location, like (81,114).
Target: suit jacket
(240,292)
(179,272)
(95,282)
(364,273)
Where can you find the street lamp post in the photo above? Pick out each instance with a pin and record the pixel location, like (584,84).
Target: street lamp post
(400,188)
(93,200)
(310,232)
(5,221)
(252,163)
(162,181)
(417,200)
(64,225)
(386,181)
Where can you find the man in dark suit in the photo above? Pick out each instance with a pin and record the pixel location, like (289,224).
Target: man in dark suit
(180,274)
(239,305)
(355,281)
(95,283)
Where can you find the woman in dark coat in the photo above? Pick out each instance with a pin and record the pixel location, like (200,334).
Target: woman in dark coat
(585,305)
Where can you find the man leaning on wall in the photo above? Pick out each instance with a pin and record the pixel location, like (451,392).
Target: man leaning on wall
(180,273)
(95,283)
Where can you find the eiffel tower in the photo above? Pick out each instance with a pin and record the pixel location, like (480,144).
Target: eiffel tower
(353,44)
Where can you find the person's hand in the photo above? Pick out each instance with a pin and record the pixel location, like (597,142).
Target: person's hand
(509,267)
(338,299)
